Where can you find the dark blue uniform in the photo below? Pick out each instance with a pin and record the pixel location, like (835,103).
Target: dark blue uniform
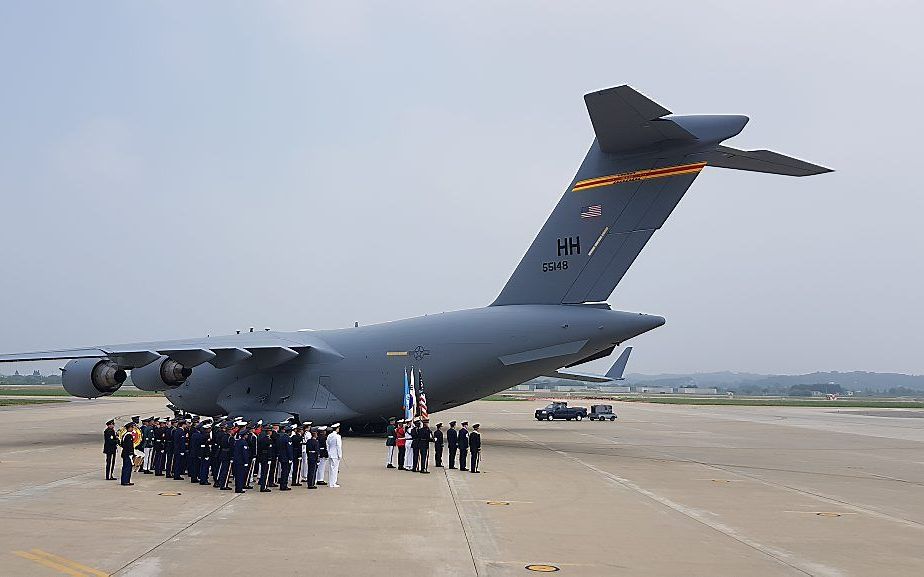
(284,455)
(195,453)
(179,453)
(264,455)
(241,461)
(128,453)
(463,448)
(160,442)
(452,439)
(226,447)
(205,456)
(311,471)
(168,450)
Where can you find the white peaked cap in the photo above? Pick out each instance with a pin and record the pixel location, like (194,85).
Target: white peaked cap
(322,428)
(335,426)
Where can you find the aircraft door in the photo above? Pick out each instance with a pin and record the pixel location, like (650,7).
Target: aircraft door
(322,396)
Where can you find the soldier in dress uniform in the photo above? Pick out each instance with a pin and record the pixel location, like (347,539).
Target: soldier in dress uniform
(205,453)
(306,428)
(215,456)
(322,455)
(463,445)
(110,445)
(252,435)
(298,444)
(128,453)
(274,458)
(159,441)
(438,444)
(195,453)
(284,455)
(424,436)
(179,450)
(147,446)
(416,445)
(241,458)
(225,447)
(474,443)
(401,442)
(264,455)
(334,454)
(390,443)
(312,449)
(452,438)
(168,448)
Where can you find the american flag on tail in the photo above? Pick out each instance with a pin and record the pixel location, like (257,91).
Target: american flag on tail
(421,397)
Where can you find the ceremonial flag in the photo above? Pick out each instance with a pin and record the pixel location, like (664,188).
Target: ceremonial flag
(422,397)
(412,405)
(407,396)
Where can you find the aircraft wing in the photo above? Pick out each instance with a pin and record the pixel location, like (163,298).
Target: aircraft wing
(268,348)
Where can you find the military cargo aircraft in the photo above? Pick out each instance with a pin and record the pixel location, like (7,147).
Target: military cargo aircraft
(551,314)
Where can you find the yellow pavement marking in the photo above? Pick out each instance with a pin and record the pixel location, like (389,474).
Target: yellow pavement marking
(60,564)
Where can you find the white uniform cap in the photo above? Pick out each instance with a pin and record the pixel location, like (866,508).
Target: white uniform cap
(322,428)
(335,426)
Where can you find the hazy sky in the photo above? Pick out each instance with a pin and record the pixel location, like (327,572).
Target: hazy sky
(171,169)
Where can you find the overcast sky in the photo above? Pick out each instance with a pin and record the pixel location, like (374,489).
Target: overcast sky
(174,169)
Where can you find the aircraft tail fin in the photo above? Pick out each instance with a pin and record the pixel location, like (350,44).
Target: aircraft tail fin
(639,166)
(619,367)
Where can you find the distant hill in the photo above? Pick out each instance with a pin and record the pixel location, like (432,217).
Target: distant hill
(853,381)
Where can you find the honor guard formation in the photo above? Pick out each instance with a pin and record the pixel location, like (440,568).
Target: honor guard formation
(213,452)
(278,455)
(412,437)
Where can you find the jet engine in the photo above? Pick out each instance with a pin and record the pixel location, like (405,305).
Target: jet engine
(161,375)
(91,378)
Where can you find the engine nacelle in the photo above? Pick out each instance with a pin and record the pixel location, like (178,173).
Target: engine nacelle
(91,378)
(161,375)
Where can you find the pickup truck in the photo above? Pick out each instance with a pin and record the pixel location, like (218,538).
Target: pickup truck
(561,411)
(602,413)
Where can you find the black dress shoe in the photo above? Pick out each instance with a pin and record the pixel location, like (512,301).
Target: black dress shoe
(127,484)
(226,488)
(425,472)
(451,467)
(389,466)
(312,486)
(241,491)
(248,486)
(296,484)
(266,490)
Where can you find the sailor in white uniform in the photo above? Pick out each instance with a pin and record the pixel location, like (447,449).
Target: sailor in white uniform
(334,454)
(303,470)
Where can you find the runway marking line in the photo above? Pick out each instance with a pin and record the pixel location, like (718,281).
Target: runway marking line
(60,564)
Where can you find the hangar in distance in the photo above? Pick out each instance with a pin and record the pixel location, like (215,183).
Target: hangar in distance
(550,315)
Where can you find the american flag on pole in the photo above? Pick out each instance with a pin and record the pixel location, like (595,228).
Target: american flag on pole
(421,397)
(592,211)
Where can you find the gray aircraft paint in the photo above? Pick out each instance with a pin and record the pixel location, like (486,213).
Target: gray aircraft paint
(548,316)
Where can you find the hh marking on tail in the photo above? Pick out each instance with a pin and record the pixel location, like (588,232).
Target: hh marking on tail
(569,246)
(637,175)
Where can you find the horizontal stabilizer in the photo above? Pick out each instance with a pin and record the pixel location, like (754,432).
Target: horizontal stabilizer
(577,377)
(619,367)
(762,161)
(625,119)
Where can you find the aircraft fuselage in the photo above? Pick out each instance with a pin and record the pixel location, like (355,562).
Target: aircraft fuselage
(357,374)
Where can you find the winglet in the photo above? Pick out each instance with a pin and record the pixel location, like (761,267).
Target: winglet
(616,371)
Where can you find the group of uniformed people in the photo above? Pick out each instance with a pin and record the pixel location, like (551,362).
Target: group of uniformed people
(277,455)
(411,438)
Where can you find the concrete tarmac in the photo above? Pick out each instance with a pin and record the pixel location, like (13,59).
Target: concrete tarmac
(665,490)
